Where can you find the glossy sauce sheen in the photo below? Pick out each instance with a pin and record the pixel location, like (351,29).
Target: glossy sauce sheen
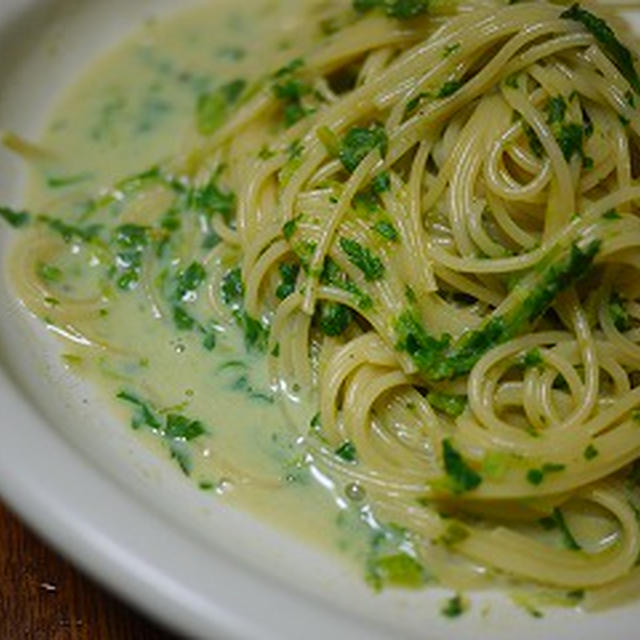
(132,109)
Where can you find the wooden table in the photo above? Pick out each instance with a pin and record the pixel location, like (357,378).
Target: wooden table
(43,598)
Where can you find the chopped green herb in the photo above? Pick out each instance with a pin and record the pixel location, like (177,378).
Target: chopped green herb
(454,607)
(570,138)
(452,404)
(213,108)
(209,341)
(58,182)
(577,595)
(294,153)
(552,467)
(406,9)
(232,288)
(399,9)
(49,273)
(511,80)
(532,358)
(618,312)
(181,455)
(399,570)
(381,182)
(16,219)
(535,476)
(590,452)
(211,200)
(144,414)
(334,276)
(289,274)
(289,68)
(386,230)
(182,319)
(189,280)
(611,214)
(414,103)
(359,142)
(334,318)
(256,335)
(556,108)
(410,295)
(451,48)
(265,153)
(289,228)
(316,422)
(449,88)
(604,34)
(290,90)
(361,257)
(347,452)
(439,359)
(180,427)
(242,384)
(534,142)
(568,539)
(462,476)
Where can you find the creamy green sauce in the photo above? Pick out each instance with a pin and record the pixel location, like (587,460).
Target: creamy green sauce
(214,414)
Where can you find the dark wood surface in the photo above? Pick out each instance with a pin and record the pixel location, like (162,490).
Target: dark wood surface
(42,597)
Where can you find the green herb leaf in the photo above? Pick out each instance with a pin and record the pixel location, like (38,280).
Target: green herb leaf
(569,541)
(182,319)
(399,9)
(590,452)
(454,607)
(531,359)
(452,404)
(535,476)
(289,274)
(59,182)
(463,477)
(399,570)
(361,257)
(611,214)
(232,288)
(556,108)
(145,415)
(386,230)
(49,273)
(210,199)
(334,276)
(604,34)
(360,142)
(180,427)
(449,88)
(16,219)
(213,108)
(618,312)
(347,452)
(289,228)
(189,280)
(256,335)
(334,318)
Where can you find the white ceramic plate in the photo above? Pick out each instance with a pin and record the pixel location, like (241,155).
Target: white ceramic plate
(129,519)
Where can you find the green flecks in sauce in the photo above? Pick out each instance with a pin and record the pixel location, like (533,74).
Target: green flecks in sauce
(131,110)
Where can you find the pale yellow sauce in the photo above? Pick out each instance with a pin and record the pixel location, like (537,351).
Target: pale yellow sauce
(131,109)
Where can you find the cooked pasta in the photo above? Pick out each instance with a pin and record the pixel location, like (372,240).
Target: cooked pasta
(429,222)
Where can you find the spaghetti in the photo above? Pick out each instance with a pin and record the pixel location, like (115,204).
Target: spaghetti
(434,214)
